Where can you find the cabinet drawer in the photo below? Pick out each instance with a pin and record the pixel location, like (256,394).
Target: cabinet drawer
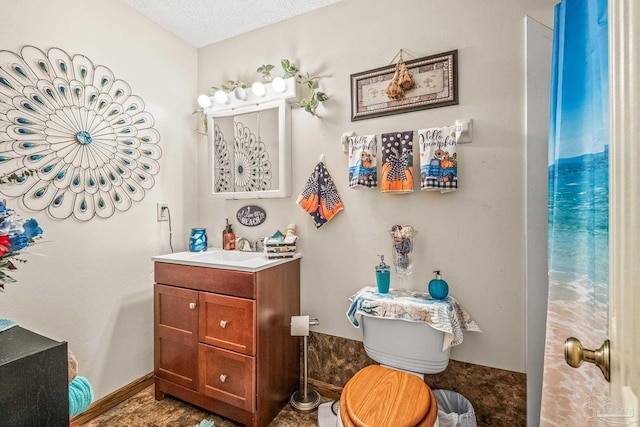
(227,322)
(228,282)
(227,376)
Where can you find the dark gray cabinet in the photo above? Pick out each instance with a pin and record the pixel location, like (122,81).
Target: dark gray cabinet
(34,384)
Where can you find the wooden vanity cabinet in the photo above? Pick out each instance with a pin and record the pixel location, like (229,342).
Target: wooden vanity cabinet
(222,338)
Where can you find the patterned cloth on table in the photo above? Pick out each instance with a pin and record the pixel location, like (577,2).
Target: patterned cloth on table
(438,159)
(447,315)
(397,162)
(320,196)
(363,170)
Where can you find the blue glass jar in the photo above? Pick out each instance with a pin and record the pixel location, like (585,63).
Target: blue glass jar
(198,240)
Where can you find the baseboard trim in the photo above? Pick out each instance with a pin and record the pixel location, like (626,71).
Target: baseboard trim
(325,389)
(101,406)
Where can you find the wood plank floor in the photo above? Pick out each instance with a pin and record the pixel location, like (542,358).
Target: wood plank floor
(142,410)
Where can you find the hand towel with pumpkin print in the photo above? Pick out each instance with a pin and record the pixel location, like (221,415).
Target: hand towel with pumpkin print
(320,196)
(362,161)
(438,159)
(397,162)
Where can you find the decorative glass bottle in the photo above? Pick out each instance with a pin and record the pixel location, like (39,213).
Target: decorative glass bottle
(402,248)
(198,240)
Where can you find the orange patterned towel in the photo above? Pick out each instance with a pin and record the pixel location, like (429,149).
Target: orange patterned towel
(320,196)
(397,162)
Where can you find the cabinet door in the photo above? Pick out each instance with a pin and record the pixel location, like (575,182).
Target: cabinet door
(228,322)
(228,376)
(176,335)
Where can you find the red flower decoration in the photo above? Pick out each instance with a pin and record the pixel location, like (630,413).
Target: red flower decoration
(4,245)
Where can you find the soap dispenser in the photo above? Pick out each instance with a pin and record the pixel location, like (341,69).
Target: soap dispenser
(383,276)
(438,288)
(224,232)
(229,241)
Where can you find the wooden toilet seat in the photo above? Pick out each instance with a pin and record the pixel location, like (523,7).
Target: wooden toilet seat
(382,397)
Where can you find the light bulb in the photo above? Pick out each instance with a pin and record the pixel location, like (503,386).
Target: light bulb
(279,85)
(240,93)
(204,101)
(221,97)
(258,89)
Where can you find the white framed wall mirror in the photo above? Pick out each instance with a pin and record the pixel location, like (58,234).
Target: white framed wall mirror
(250,151)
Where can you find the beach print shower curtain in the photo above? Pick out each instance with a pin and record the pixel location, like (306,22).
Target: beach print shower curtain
(578,212)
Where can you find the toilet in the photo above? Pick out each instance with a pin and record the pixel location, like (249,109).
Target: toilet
(380,396)
(393,393)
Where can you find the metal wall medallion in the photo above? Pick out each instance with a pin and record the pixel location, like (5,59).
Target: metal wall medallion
(86,139)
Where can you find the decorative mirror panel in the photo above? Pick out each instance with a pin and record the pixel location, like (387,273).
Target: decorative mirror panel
(250,151)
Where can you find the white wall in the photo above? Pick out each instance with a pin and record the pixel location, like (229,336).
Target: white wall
(91,284)
(475,235)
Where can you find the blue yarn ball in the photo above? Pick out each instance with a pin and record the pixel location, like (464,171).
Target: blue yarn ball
(80,396)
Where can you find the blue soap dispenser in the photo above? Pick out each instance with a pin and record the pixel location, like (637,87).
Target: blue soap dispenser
(438,288)
(383,276)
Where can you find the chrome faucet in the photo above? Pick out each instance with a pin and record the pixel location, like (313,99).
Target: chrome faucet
(241,242)
(255,246)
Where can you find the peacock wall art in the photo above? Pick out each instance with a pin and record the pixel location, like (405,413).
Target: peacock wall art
(74,140)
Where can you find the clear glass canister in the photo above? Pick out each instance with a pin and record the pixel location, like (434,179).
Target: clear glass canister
(198,240)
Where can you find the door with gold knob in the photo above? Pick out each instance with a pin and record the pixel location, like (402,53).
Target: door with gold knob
(624,231)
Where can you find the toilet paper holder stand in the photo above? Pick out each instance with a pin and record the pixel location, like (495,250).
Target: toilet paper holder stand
(306,399)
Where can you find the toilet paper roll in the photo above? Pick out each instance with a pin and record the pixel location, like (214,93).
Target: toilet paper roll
(299,326)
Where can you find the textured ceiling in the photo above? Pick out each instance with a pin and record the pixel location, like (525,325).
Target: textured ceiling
(202,22)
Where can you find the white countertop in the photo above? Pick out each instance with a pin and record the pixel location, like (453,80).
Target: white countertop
(228,260)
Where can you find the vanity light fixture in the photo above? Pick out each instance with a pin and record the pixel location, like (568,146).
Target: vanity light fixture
(279,85)
(259,89)
(221,97)
(240,93)
(204,101)
(259,93)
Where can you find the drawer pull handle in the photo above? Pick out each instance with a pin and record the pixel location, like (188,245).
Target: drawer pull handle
(223,324)
(192,305)
(223,378)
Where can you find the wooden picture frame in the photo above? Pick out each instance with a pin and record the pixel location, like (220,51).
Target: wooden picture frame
(436,78)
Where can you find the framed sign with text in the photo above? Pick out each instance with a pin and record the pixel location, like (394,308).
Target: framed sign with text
(436,86)
(251,215)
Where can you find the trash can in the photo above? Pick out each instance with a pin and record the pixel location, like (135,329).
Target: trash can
(454,410)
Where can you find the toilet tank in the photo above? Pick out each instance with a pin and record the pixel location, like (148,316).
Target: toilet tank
(405,345)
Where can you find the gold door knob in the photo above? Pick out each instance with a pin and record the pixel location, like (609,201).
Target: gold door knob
(575,354)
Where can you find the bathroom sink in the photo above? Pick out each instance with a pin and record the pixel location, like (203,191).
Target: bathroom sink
(218,258)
